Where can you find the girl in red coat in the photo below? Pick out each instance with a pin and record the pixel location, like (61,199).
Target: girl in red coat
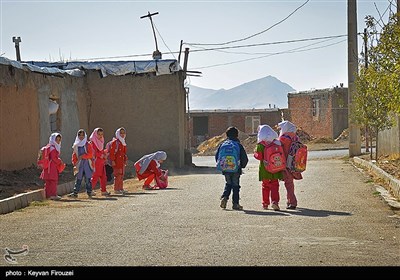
(99,155)
(148,167)
(50,174)
(118,159)
(286,135)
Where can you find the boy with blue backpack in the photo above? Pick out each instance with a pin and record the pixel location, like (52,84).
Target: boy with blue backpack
(231,158)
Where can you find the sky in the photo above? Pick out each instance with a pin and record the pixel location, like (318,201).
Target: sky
(301,42)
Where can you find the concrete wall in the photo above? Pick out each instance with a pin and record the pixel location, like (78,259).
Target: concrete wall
(151,108)
(389,140)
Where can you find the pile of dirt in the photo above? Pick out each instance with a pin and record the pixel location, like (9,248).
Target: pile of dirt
(304,136)
(210,146)
(325,140)
(249,142)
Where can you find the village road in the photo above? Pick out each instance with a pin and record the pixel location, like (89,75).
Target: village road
(340,221)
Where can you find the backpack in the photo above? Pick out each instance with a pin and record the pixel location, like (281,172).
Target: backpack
(229,156)
(297,156)
(274,158)
(108,147)
(43,159)
(162,183)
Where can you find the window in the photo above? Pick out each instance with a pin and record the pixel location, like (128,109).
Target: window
(315,108)
(251,124)
(54,116)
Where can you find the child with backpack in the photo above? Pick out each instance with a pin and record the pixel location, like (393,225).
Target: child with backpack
(99,158)
(231,157)
(148,167)
(287,135)
(118,158)
(271,165)
(82,155)
(52,165)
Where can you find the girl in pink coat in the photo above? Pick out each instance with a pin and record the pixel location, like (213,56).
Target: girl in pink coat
(100,156)
(286,135)
(50,174)
(118,159)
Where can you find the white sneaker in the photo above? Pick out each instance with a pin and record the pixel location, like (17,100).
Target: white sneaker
(275,207)
(55,197)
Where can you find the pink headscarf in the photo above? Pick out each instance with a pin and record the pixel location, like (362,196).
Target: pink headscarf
(98,142)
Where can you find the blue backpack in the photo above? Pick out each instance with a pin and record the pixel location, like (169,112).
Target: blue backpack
(229,156)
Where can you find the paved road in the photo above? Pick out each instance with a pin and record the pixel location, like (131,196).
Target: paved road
(340,222)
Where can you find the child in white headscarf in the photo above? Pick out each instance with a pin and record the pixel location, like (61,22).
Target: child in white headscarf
(148,167)
(270,181)
(286,136)
(56,165)
(99,156)
(82,155)
(118,159)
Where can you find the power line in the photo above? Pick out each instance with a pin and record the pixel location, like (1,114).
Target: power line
(221,48)
(258,53)
(251,36)
(159,34)
(269,43)
(264,56)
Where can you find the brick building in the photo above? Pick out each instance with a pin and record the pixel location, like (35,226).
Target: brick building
(204,124)
(320,112)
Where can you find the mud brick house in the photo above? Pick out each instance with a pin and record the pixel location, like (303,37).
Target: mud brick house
(205,124)
(320,112)
(38,98)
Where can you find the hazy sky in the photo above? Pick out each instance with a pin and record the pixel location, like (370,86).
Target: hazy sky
(113,30)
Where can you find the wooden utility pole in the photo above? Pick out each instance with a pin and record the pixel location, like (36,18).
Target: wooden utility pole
(352,56)
(16,41)
(156,53)
(185,62)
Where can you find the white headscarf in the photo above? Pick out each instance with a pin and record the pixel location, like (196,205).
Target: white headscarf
(78,142)
(286,126)
(119,137)
(52,141)
(98,142)
(145,160)
(267,134)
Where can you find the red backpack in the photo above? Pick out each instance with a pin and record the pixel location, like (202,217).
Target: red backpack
(43,159)
(274,158)
(297,156)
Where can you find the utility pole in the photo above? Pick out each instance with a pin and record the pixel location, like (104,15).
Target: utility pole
(366,66)
(156,53)
(352,56)
(16,41)
(185,62)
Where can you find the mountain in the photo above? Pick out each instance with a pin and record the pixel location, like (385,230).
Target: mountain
(258,94)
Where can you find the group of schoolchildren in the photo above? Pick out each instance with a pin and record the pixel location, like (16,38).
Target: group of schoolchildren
(271,170)
(90,157)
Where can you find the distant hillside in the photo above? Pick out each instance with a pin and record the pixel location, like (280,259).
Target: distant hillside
(257,94)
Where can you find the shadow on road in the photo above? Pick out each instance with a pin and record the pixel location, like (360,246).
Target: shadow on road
(316,213)
(265,213)
(298,211)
